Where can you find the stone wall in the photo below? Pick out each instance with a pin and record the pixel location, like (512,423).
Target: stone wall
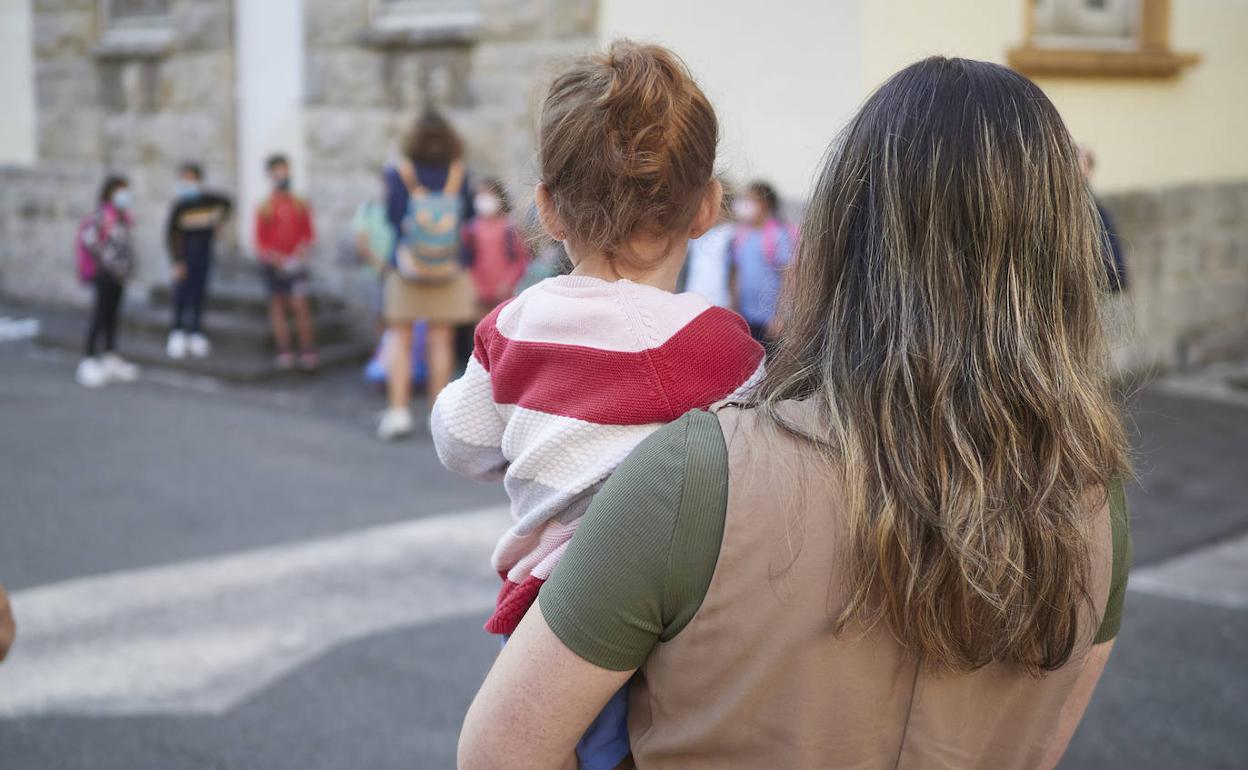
(1187,262)
(103,106)
(364,89)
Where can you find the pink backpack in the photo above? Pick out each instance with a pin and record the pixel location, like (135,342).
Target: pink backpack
(86,263)
(771,238)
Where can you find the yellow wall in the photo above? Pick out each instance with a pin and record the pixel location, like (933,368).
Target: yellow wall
(1145,133)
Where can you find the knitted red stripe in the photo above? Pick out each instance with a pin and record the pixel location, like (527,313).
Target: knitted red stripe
(703,362)
(514,599)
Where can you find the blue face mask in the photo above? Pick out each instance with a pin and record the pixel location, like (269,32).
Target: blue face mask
(121,199)
(183,189)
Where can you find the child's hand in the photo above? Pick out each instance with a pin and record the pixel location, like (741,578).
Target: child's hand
(179,271)
(8,628)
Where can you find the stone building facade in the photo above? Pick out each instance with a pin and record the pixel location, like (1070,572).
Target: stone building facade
(115,96)
(110,98)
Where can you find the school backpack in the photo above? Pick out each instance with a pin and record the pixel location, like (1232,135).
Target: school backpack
(86,262)
(771,238)
(428,248)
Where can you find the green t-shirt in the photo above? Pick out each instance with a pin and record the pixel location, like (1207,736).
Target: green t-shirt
(644,553)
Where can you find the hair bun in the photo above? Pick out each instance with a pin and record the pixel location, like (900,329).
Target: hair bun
(627,144)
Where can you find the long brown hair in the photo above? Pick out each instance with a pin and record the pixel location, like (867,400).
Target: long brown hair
(627,146)
(943,314)
(432,141)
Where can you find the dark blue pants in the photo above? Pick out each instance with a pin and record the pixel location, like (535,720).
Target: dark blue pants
(189,293)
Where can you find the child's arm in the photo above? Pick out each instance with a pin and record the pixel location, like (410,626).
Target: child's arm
(466,425)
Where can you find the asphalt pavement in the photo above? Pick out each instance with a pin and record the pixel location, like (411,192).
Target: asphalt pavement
(211,576)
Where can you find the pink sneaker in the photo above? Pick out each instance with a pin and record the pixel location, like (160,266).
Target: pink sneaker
(285,360)
(309,361)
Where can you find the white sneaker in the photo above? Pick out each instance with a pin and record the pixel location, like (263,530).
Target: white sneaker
(176,348)
(91,373)
(200,346)
(117,368)
(396,423)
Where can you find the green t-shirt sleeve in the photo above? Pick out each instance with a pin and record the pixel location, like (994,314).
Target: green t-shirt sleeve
(1121,531)
(642,558)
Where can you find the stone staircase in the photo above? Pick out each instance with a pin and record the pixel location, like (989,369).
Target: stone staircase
(235,320)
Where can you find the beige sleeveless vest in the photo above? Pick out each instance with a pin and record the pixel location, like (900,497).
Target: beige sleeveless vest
(757,679)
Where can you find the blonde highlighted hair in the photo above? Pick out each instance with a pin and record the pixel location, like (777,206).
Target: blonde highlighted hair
(944,315)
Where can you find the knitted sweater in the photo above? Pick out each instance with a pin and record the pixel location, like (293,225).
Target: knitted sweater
(564,381)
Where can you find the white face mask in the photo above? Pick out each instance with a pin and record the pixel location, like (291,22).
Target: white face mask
(487,205)
(121,199)
(745,209)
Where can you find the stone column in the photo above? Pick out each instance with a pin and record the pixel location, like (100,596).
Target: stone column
(269,51)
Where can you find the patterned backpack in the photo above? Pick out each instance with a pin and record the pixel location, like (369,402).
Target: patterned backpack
(429,245)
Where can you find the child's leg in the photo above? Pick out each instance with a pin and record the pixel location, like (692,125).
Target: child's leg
(440,353)
(605,744)
(303,322)
(277,316)
(399,365)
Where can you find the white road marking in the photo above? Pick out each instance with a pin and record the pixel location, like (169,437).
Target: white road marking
(12,329)
(201,636)
(1216,576)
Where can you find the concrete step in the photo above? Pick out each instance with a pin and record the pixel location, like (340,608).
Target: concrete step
(240,295)
(234,330)
(139,342)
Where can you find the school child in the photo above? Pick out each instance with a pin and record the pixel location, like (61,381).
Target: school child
(374,242)
(494,248)
(190,235)
(106,260)
(566,379)
(283,236)
(762,248)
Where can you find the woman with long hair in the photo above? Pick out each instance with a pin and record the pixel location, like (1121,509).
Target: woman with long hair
(428,198)
(908,548)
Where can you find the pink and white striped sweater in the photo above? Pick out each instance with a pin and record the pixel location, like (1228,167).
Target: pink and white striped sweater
(564,381)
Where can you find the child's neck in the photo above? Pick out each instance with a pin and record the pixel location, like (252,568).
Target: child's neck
(597,265)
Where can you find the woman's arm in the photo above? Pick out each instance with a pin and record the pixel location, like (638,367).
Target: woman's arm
(535,704)
(1077,702)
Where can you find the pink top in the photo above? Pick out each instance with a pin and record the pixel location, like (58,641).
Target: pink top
(498,256)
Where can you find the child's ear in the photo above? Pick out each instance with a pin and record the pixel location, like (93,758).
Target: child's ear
(550,220)
(708,211)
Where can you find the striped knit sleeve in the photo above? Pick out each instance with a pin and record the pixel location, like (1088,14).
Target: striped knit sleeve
(712,358)
(466,425)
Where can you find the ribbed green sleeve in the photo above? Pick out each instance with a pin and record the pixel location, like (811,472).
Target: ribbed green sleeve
(1121,531)
(642,558)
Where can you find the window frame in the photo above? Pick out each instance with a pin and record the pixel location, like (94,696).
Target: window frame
(1149,57)
(420,16)
(151,34)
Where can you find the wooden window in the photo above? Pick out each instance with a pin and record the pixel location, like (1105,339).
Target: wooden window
(1098,38)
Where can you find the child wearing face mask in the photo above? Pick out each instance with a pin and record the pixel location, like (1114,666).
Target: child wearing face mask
(374,242)
(283,236)
(761,250)
(106,260)
(494,250)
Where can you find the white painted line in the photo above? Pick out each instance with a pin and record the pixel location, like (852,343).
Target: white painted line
(13,329)
(1216,576)
(201,636)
